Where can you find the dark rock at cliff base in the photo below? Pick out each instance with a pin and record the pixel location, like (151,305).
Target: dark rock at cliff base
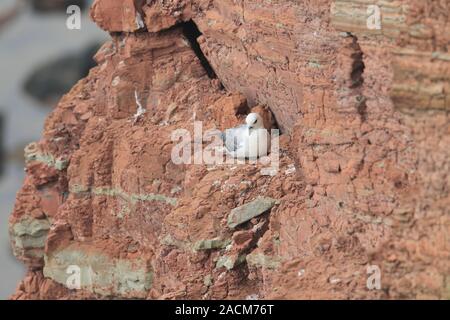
(51,80)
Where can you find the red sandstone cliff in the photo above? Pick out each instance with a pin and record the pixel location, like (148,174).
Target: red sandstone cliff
(364,155)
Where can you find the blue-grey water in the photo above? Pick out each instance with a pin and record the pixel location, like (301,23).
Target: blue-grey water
(26,42)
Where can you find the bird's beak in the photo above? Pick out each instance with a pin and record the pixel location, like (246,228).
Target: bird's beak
(250,127)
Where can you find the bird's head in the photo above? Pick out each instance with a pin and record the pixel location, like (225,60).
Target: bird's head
(254,121)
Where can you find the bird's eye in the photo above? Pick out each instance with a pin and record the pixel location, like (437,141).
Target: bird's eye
(256,120)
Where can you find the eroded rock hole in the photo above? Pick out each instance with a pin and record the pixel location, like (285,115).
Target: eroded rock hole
(357,69)
(362,107)
(357,78)
(191,32)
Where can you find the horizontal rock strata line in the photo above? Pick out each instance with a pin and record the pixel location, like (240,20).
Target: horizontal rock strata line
(116,192)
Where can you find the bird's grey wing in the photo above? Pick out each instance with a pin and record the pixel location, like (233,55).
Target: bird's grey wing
(234,137)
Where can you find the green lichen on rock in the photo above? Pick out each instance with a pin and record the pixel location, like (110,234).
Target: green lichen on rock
(204,244)
(209,244)
(153,197)
(32,153)
(264,261)
(168,240)
(28,237)
(230,261)
(250,210)
(207,280)
(99,273)
(133,198)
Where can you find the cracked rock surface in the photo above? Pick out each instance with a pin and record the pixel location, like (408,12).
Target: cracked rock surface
(364,156)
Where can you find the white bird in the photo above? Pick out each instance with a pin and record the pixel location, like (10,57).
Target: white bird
(250,140)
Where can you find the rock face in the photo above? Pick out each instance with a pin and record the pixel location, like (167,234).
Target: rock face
(363,168)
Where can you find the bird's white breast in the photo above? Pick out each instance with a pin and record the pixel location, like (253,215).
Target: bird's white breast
(258,143)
